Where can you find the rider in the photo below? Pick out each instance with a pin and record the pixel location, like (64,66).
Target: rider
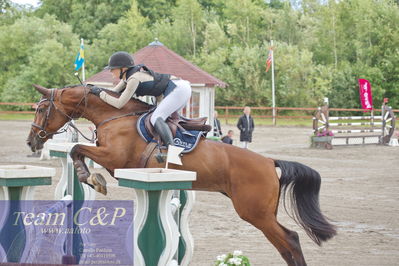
(139,80)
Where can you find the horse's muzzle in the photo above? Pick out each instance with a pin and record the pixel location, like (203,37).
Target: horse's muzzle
(34,142)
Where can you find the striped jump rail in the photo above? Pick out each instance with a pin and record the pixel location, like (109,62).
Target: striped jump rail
(368,131)
(357,124)
(354,117)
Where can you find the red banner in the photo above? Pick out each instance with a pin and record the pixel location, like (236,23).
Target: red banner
(366,98)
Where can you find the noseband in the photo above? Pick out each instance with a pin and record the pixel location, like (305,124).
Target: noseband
(42,134)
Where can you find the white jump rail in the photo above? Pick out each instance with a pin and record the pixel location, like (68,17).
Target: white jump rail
(17,184)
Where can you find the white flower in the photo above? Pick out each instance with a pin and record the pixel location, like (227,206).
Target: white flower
(237,253)
(222,264)
(221,257)
(235,261)
(238,261)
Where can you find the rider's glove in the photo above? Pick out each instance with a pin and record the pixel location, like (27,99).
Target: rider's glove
(96,90)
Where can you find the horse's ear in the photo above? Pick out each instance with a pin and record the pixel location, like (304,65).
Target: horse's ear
(42,90)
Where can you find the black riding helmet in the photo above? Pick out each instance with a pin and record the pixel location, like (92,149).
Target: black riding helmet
(120,60)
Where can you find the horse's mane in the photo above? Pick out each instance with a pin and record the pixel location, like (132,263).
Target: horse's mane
(113,93)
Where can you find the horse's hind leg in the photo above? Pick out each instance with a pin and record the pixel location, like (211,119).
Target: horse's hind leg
(260,211)
(286,242)
(294,240)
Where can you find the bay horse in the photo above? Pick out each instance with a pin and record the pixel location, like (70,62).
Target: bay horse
(249,179)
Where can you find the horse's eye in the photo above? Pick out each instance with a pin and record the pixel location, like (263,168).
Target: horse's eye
(40,110)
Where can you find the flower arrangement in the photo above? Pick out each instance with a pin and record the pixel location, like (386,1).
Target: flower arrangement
(232,259)
(324,133)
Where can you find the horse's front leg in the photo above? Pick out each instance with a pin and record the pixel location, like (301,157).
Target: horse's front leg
(98,154)
(78,158)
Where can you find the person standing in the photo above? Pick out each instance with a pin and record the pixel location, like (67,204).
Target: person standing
(246,126)
(217,130)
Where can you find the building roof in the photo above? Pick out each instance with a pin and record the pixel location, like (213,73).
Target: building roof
(159,58)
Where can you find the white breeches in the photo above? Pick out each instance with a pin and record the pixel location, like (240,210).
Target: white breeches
(174,101)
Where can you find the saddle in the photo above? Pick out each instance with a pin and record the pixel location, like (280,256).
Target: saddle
(186,132)
(176,121)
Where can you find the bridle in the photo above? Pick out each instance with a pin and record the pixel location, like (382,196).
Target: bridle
(42,134)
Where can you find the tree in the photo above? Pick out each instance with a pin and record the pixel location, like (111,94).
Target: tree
(35,50)
(129,34)
(245,22)
(9,12)
(183,32)
(87,17)
(156,10)
(4,6)
(244,70)
(189,21)
(299,81)
(358,47)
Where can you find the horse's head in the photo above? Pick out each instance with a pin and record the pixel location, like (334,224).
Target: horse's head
(59,106)
(50,116)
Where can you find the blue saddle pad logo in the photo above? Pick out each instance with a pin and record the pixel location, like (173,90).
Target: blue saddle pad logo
(187,139)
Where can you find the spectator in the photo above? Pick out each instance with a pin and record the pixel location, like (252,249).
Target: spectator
(228,138)
(246,126)
(217,130)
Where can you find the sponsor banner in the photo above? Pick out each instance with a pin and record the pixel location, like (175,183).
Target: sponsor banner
(366,98)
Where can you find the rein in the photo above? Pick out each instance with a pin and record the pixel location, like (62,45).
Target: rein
(121,116)
(42,134)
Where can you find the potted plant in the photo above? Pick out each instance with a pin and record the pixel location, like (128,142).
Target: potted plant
(232,259)
(323,138)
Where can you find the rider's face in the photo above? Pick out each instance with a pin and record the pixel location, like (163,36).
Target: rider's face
(115,72)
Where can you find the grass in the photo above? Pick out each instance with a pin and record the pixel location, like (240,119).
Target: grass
(21,117)
(26,117)
(231,121)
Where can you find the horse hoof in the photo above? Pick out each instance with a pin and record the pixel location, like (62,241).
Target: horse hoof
(98,182)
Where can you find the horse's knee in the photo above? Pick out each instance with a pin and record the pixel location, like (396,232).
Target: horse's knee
(75,152)
(294,235)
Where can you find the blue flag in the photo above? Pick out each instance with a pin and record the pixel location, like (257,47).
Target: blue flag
(80,58)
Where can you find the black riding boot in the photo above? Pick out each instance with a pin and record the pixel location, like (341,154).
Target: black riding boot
(164,131)
(166,136)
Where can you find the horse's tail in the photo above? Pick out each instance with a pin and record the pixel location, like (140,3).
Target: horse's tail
(304,184)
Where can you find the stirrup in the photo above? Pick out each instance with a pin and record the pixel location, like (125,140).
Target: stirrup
(161,157)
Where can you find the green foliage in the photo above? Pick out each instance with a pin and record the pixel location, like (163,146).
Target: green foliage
(183,33)
(299,81)
(245,22)
(321,47)
(156,10)
(87,17)
(10,12)
(129,34)
(35,50)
